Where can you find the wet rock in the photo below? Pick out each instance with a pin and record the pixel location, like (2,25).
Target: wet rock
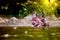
(13,21)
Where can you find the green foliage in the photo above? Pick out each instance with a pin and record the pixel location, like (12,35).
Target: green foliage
(49,8)
(58,12)
(27,8)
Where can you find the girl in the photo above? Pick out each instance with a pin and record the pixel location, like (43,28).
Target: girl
(36,21)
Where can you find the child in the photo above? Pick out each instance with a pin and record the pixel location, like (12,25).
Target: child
(34,18)
(36,21)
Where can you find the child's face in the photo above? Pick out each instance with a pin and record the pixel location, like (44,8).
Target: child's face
(40,17)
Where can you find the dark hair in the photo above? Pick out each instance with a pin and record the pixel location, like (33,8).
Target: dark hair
(36,14)
(42,14)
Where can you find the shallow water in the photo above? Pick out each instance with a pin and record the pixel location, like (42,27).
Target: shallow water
(29,33)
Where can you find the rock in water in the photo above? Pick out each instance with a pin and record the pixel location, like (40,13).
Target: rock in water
(13,21)
(29,17)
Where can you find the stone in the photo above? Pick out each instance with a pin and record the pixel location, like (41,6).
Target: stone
(13,21)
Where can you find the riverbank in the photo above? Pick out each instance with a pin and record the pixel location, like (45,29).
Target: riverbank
(26,21)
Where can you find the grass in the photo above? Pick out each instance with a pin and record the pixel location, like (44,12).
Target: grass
(30,33)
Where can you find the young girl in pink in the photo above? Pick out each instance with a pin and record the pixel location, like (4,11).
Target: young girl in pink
(36,21)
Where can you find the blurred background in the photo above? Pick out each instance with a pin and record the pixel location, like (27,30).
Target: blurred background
(22,8)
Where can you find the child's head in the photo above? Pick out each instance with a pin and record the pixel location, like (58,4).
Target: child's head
(35,14)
